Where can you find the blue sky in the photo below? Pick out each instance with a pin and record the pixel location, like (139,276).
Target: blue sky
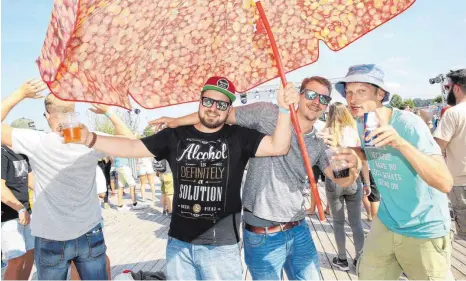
(428,39)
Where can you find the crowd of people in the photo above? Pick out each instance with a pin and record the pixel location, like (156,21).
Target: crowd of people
(404,178)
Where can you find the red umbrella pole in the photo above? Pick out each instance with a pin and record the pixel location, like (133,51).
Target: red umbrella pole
(294,118)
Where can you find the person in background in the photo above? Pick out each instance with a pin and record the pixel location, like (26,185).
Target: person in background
(427,117)
(146,175)
(105,165)
(166,179)
(451,136)
(17,240)
(319,125)
(342,128)
(125,178)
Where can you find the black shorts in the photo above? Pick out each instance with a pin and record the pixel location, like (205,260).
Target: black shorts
(375,194)
(318,173)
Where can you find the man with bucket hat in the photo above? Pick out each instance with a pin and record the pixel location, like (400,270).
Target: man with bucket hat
(207,162)
(412,231)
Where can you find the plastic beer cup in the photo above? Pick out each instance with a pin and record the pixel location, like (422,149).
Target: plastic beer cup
(71,128)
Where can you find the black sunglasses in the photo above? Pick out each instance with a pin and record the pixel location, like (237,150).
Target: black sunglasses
(221,105)
(311,95)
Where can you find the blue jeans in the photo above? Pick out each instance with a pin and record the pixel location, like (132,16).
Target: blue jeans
(187,261)
(266,255)
(53,258)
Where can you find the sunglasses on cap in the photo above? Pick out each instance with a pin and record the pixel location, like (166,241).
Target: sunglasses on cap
(221,105)
(311,95)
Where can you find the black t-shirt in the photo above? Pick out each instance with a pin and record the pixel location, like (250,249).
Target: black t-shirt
(207,171)
(15,169)
(106,167)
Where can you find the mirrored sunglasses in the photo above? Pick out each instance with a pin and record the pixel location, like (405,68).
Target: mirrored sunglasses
(221,105)
(311,95)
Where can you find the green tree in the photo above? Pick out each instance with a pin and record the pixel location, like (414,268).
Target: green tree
(103,124)
(396,101)
(409,102)
(438,99)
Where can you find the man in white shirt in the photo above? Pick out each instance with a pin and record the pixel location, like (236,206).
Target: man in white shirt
(451,137)
(67,213)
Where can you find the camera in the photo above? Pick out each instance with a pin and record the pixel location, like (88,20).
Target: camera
(438,79)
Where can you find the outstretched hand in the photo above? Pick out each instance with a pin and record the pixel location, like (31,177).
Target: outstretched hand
(31,89)
(99,108)
(164,122)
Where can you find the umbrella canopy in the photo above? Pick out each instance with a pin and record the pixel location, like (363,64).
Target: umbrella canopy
(161,52)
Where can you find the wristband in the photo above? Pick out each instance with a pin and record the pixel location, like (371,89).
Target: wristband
(108,113)
(366,184)
(283,110)
(20,211)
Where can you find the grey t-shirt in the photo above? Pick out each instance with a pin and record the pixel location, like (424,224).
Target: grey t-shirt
(274,186)
(66,205)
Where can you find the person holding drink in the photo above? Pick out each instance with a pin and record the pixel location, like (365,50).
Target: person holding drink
(341,131)
(67,213)
(411,233)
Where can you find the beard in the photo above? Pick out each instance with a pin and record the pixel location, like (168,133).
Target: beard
(210,122)
(451,99)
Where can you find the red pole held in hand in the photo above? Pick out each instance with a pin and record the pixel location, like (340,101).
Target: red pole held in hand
(294,118)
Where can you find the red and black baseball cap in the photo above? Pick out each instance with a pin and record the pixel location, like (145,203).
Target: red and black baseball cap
(222,85)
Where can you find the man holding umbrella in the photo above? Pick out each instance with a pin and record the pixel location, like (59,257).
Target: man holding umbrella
(412,231)
(276,236)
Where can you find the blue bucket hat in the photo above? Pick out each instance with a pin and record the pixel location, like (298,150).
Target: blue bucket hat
(363,73)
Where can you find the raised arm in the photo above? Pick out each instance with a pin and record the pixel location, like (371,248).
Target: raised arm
(120,126)
(279,142)
(190,119)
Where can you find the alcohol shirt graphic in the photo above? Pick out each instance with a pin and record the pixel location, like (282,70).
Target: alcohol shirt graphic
(207,171)
(202,168)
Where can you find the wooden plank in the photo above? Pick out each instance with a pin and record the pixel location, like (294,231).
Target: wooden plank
(144,232)
(322,229)
(458,266)
(325,263)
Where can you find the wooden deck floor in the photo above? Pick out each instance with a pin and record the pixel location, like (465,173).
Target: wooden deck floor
(136,241)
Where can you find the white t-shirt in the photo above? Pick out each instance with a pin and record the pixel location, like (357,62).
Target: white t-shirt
(349,137)
(100,181)
(145,162)
(452,128)
(66,205)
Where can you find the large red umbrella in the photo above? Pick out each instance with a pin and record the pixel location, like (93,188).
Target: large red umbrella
(161,52)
